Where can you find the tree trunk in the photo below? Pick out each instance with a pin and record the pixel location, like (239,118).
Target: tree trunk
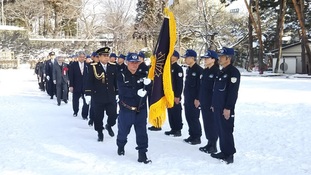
(280,33)
(250,42)
(258,32)
(303,34)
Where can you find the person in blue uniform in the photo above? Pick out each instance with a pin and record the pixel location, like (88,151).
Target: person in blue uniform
(113,58)
(78,71)
(223,103)
(206,92)
(133,87)
(191,94)
(174,113)
(121,64)
(102,86)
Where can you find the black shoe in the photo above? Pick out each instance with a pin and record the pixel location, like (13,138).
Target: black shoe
(168,132)
(219,155)
(153,128)
(84,118)
(58,104)
(109,129)
(66,101)
(228,159)
(209,149)
(74,114)
(100,136)
(142,157)
(51,97)
(188,139)
(173,133)
(195,141)
(90,123)
(121,151)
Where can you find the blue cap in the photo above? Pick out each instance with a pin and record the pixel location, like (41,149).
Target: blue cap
(94,54)
(176,54)
(122,56)
(226,51)
(190,53)
(132,57)
(210,54)
(113,55)
(88,56)
(141,54)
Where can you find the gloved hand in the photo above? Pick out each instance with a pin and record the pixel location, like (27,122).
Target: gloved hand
(141,92)
(117,98)
(147,81)
(54,81)
(48,77)
(87,99)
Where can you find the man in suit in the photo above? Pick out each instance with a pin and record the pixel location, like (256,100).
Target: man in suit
(50,86)
(102,86)
(60,78)
(78,79)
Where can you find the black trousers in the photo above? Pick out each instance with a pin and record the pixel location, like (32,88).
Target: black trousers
(192,116)
(99,109)
(75,104)
(174,117)
(210,124)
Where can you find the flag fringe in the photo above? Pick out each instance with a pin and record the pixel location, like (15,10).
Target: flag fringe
(157,113)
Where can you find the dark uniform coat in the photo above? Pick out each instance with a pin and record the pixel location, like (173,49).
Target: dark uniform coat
(191,93)
(206,95)
(174,113)
(133,109)
(103,91)
(224,97)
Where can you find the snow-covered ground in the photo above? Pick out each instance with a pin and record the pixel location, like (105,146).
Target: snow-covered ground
(272,134)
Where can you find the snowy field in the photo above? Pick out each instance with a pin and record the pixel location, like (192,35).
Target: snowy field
(272,134)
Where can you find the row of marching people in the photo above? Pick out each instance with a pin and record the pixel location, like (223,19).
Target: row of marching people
(102,83)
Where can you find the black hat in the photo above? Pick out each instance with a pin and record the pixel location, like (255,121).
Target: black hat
(104,50)
(52,53)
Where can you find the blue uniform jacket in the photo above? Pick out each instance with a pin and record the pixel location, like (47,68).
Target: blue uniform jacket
(128,85)
(226,88)
(192,83)
(177,79)
(207,85)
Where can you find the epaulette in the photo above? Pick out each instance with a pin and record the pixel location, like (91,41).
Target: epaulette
(93,64)
(111,63)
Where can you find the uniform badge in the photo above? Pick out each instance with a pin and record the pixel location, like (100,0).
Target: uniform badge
(194,74)
(233,79)
(211,76)
(180,74)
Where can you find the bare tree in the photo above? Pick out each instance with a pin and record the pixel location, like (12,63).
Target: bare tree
(27,14)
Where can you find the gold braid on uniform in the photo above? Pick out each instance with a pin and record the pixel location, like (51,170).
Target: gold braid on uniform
(98,77)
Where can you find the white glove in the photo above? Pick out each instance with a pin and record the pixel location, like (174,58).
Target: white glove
(141,92)
(54,81)
(117,98)
(147,81)
(48,78)
(87,99)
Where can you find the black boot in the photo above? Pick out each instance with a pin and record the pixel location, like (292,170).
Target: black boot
(100,136)
(90,122)
(109,129)
(209,148)
(142,157)
(121,151)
